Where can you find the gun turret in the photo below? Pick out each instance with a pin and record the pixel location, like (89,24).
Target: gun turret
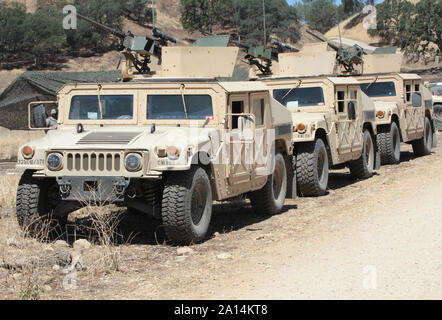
(348,58)
(137,50)
(263,57)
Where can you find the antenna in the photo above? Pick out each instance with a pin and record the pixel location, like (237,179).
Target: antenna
(153,13)
(264,16)
(340,37)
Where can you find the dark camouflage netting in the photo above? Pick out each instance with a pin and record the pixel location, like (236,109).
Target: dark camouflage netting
(40,86)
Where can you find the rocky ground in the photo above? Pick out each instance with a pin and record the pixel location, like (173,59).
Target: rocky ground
(374,239)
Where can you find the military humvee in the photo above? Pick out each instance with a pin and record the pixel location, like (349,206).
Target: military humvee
(333,120)
(167,144)
(404,108)
(436,89)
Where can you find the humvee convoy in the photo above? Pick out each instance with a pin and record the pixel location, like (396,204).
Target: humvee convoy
(164,146)
(169,143)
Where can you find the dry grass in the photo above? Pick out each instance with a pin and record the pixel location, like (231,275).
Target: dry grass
(11,141)
(8,190)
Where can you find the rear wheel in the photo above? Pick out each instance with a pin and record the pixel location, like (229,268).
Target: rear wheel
(363,168)
(270,199)
(389,144)
(312,169)
(187,206)
(36,201)
(422,147)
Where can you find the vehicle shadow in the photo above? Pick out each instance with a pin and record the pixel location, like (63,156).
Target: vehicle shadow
(141,229)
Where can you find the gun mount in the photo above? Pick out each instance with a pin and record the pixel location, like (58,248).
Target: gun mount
(137,50)
(347,58)
(263,57)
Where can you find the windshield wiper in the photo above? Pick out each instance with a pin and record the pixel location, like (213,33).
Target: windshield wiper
(297,86)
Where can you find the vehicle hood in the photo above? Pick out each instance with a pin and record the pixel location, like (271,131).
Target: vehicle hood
(113,138)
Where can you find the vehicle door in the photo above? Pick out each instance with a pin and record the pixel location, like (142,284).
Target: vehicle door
(349,117)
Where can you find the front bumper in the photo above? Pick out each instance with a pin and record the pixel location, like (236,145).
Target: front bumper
(93,189)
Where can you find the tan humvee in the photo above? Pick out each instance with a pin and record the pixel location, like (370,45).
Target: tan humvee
(436,89)
(161,144)
(403,106)
(334,121)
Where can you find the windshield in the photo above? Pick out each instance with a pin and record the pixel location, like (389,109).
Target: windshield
(300,97)
(198,107)
(114,107)
(379,89)
(437,90)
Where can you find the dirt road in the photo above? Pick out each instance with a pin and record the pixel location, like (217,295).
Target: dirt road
(380,238)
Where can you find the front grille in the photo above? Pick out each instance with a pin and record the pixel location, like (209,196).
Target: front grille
(108,138)
(93,162)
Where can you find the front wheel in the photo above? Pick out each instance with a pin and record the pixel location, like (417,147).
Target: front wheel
(389,140)
(187,206)
(36,201)
(363,168)
(422,147)
(312,169)
(270,199)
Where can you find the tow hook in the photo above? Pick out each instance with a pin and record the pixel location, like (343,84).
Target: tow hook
(120,186)
(65,187)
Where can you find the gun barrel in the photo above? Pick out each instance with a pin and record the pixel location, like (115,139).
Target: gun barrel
(159,34)
(117,33)
(283,45)
(334,47)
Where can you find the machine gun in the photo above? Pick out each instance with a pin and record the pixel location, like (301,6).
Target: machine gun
(348,58)
(263,57)
(137,50)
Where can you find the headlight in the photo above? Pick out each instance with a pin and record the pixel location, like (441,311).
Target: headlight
(55,162)
(133,162)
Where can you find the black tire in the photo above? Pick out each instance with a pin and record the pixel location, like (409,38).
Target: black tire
(187,206)
(363,168)
(270,199)
(312,169)
(389,140)
(36,199)
(423,146)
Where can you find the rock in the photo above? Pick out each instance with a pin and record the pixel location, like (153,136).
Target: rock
(224,256)
(48,250)
(82,244)
(56,267)
(11,242)
(181,258)
(61,243)
(77,261)
(47,288)
(184,250)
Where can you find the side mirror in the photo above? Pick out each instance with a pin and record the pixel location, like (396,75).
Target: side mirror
(38,116)
(351,110)
(38,113)
(416,99)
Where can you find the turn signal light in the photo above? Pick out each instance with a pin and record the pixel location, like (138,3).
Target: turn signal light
(301,128)
(27,152)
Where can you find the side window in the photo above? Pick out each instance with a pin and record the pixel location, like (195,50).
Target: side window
(258,111)
(417,87)
(237,107)
(408,92)
(340,95)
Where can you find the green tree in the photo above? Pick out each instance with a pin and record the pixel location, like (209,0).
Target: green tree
(242,18)
(44,38)
(109,13)
(137,10)
(12,31)
(321,15)
(423,34)
(393,16)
